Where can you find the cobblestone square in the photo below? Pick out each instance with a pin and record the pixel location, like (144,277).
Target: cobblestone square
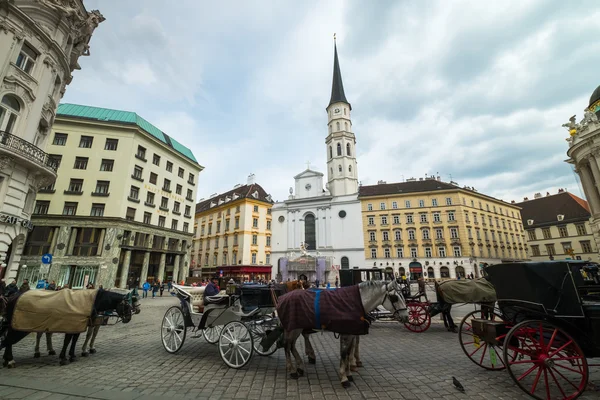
(131,363)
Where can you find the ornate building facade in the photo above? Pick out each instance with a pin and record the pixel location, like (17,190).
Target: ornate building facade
(40,44)
(584,155)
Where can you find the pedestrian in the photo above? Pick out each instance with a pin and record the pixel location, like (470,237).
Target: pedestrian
(328,285)
(162,288)
(154,289)
(11,289)
(170,286)
(422,290)
(51,286)
(2,287)
(25,286)
(337,282)
(145,289)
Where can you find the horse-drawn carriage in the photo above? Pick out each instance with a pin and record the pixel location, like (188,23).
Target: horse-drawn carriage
(236,320)
(546,326)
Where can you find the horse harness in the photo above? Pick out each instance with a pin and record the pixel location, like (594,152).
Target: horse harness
(393,298)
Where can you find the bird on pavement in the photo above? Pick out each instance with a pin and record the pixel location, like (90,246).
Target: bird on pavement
(458,385)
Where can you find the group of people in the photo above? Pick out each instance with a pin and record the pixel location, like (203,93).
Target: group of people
(12,288)
(156,287)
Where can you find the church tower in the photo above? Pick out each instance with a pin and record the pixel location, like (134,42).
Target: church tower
(342,174)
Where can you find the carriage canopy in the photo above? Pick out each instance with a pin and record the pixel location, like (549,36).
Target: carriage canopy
(467,291)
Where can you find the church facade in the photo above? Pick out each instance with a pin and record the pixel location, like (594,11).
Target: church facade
(318,230)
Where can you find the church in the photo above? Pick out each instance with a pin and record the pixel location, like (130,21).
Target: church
(318,230)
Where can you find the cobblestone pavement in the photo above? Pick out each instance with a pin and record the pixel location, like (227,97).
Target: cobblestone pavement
(131,363)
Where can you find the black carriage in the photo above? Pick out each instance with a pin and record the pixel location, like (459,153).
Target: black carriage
(545,328)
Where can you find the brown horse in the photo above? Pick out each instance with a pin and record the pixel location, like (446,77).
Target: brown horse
(308,349)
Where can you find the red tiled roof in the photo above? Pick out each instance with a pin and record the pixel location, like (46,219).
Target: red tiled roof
(241,191)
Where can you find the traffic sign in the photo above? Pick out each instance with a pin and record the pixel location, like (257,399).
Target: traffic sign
(47,259)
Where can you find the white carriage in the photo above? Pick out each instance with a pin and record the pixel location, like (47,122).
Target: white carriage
(237,320)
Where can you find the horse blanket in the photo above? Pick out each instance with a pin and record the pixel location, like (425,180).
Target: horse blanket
(467,291)
(338,310)
(65,311)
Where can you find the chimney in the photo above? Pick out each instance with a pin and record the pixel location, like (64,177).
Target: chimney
(537,195)
(381,182)
(525,199)
(547,193)
(251,179)
(560,191)
(512,202)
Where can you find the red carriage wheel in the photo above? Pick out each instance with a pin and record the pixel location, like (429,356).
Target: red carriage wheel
(549,365)
(419,318)
(486,355)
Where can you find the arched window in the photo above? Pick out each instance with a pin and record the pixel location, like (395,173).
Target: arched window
(310,237)
(330,128)
(350,168)
(340,168)
(330,152)
(460,272)
(331,170)
(430,273)
(348,149)
(338,125)
(444,272)
(9,112)
(345,263)
(339,149)
(346,126)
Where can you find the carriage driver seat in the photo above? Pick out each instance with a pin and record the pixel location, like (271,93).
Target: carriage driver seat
(218,300)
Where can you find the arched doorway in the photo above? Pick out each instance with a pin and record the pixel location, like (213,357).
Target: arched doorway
(303,277)
(401,272)
(5,262)
(389,273)
(430,273)
(444,272)
(416,270)
(345,263)
(460,272)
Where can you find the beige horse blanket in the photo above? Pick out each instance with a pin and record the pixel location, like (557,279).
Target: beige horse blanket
(65,311)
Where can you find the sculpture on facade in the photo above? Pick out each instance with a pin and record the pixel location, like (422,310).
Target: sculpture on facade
(588,118)
(572,126)
(304,248)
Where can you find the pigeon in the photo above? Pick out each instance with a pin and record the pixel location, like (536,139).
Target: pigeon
(458,385)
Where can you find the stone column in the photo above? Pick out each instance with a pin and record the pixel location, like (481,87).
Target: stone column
(72,238)
(590,189)
(144,274)
(161,267)
(183,269)
(101,242)
(125,270)
(176,267)
(596,177)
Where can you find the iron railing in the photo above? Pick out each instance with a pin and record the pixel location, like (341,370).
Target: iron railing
(24,148)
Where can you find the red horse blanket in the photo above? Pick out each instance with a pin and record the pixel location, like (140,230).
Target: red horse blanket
(338,310)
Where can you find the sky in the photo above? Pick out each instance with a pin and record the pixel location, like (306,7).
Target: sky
(475,92)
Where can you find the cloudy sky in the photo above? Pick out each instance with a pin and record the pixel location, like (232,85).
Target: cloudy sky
(475,91)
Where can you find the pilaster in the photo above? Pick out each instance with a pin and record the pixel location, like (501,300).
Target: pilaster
(176,267)
(125,270)
(144,273)
(161,267)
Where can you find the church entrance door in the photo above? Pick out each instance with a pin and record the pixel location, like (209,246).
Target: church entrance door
(303,277)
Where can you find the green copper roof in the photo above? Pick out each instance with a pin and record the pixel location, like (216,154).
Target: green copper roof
(123,117)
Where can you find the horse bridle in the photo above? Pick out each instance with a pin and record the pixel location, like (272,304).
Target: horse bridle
(387,294)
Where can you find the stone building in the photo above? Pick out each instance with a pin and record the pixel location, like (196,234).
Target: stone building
(434,229)
(121,209)
(40,44)
(584,155)
(557,227)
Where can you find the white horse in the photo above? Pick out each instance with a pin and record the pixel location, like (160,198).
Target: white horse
(372,295)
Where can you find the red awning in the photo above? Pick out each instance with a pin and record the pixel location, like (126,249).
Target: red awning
(245,270)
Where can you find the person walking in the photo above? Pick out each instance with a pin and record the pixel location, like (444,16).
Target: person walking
(51,286)
(25,286)
(170,286)
(162,288)
(154,289)
(145,289)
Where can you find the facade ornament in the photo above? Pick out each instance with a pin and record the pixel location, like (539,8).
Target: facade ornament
(66,8)
(4,161)
(43,181)
(572,126)
(304,248)
(85,29)
(589,118)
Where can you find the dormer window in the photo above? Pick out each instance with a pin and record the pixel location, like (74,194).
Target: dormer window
(26,59)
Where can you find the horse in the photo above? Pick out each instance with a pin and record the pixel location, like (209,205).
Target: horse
(105,301)
(371,294)
(308,349)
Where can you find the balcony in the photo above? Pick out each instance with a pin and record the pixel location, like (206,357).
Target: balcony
(15,147)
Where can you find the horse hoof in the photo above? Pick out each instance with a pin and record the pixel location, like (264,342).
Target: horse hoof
(51,353)
(63,361)
(346,384)
(312,360)
(36,355)
(11,364)
(353,368)
(92,351)
(300,372)
(359,364)
(350,378)
(294,375)
(85,354)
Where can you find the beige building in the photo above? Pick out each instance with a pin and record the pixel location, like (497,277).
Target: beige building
(120,211)
(436,229)
(233,233)
(40,45)
(558,227)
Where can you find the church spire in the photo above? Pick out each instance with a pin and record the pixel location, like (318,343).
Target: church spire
(337,87)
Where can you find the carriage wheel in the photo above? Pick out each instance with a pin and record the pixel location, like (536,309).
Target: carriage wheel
(259,330)
(235,344)
(211,334)
(419,318)
(173,330)
(550,364)
(486,355)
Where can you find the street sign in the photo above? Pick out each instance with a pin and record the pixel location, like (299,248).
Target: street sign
(47,259)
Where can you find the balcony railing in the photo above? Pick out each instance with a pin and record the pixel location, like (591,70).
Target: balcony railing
(26,149)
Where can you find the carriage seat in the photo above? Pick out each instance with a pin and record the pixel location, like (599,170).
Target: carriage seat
(197,297)
(219,300)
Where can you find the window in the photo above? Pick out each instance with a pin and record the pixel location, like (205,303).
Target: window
(156,159)
(369,207)
(434,202)
(396,219)
(161,221)
(310,231)
(86,142)
(268,259)
(268,241)
(41,207)
(469,233)
(382,206)
(169,166)
(550,249)
(371,220)
(586,246)
(87,241)
(188,210)
(80,163)
(255,222)
(475,218)
(426,234)
(190,193)
(566,247)
(423,217)
(253,258)
(535,250)
(39,241)
(439,233)
(373,253)
(141,153)
(9,112)
(339,146)
(454,233)
(394,205)
(26,58)
(235,239)
(372,236)
(191,179)
(137,173)
(176,208)
(386,235)
(237,222)
(347,144)
(130,214)
(340,168)
(75,186)
(407,203)
(428,252)
(166,185)
(399,252)
(413,252)
(164,203)
(451,216)
(174,224)
(178,189)
(397,235)
(478,234)
(384,220)
(69,208)
(386,252)
(581,229)
(147,218)
(111,144)
(532,235)
(60,139)
(437,217)
(411,234)
(218,226)
(149,198)
(255,209)
(448,201)
(409,219)
(441,251)
(562,231)
(546,233)
(134,192)
(180,172)
(255,239)
(107,165)
(421,203)
(153,178)
(330,149)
